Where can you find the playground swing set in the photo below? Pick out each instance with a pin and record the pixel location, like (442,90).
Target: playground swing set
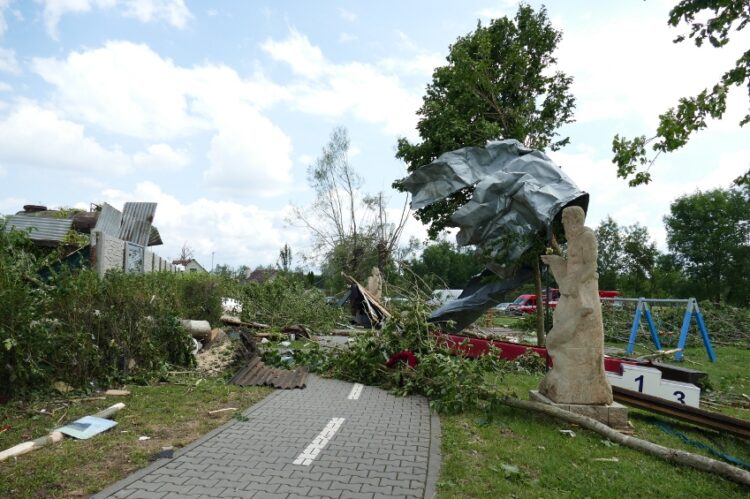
(692,311)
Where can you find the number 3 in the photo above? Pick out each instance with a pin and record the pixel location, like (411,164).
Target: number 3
(680,396)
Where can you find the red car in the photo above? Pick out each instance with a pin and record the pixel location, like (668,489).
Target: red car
(526,304)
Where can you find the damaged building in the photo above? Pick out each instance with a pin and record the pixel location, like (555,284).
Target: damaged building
(103,238)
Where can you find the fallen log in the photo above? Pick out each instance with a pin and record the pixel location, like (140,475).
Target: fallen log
(236,321)
(668,454)
(197,329)
(53,437)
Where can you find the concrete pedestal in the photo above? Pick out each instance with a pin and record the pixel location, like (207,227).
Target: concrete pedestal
(614,415)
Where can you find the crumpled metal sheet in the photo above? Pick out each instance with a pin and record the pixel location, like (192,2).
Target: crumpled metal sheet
(483,291)
(518,192)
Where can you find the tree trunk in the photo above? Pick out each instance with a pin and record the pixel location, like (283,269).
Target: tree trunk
(540,335)
(668,454)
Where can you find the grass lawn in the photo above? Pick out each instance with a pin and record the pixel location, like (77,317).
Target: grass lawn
(522,454)
(172,414)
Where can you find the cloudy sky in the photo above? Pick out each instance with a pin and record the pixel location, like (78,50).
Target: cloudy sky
(215,109)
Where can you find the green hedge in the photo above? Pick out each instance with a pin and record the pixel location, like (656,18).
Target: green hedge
(85,330)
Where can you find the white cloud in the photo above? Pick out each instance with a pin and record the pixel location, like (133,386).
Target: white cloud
(249,154)
(507,8)
(421,64)
(161,156)
(4,87)
(124,88)
(12,205)
(55,9)
(347,15)
(3,23)
(174,12)
(8,62)
(34,137)
(618,75)
(129,89)
(237,233)
(347,38)
(303,57)
(334,90)
(673,176)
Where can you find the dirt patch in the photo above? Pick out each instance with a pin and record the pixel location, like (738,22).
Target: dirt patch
(217,359)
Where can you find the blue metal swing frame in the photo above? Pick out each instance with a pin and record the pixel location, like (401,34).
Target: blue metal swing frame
(691,311)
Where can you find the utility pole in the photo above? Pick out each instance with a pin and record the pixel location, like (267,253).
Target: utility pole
(212,261)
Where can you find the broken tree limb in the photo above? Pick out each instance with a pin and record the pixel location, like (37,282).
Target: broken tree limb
(235,321)
(110,411)
(53,437)
(672,455)
(217,411)
(25,447)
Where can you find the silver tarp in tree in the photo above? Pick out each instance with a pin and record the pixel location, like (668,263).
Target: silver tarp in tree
(518,192)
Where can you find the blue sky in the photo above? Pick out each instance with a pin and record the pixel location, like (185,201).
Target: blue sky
(215,109)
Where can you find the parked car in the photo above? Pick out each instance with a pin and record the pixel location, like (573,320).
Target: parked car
(502,307)
(526,304)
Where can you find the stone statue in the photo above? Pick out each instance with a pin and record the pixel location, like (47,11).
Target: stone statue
(576,341)
(375,284)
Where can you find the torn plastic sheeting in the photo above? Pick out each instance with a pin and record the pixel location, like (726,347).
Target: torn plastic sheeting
(483,291)
(517,193)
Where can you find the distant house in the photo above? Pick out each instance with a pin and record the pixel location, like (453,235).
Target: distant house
(261,275)
(193,266)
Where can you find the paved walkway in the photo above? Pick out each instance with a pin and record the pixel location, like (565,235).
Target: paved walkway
(332,439)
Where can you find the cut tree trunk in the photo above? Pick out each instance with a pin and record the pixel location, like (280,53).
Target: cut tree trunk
(668,454)
(540,335)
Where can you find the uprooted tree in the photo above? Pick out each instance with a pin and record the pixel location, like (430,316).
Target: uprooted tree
(351,229)
(499,83)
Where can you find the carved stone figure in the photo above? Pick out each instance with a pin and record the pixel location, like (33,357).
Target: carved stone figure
(576,341)
(375,284)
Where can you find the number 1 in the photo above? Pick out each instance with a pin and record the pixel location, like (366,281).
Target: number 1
(639,379)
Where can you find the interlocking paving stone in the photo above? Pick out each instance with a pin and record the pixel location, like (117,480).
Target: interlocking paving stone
(387,446)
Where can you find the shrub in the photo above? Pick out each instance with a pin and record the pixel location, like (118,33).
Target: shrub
(287,299)
(81,329)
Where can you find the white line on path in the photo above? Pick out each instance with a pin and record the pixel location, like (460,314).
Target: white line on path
(317,445)
(356,392)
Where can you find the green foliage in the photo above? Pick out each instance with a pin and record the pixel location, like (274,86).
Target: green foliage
(350,228)
(709,232)
(444,265)
(288,299)
(453,383)
(498,84)
(678,124)
(628,261)
(727,325)
(81,329)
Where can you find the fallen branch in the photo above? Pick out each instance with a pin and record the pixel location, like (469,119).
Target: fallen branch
(222,410)
(53,437)
(235,321)
(659,354)
(672,455)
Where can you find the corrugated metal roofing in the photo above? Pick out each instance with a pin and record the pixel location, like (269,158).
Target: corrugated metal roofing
(43,229)
(256,373)
(109,220)
(136,222)
(155,238)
